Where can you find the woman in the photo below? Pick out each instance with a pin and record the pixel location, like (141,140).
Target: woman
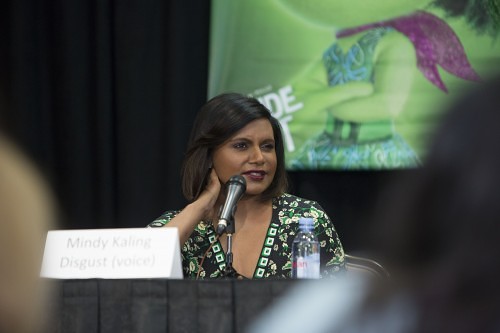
(236,135)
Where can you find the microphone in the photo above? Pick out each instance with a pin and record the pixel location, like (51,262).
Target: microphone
(236,187)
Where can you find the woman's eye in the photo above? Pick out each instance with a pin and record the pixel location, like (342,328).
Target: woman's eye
(240,145)
(268,147)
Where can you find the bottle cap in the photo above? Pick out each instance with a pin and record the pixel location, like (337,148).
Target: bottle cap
(306,223)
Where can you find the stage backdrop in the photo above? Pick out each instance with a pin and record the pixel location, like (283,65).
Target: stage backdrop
(355,84)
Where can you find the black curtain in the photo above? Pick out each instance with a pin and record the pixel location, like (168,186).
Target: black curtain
(102,94)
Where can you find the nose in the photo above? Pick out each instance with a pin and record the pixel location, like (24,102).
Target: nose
(256,156)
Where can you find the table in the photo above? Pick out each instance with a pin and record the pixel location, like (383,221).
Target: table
(156,305)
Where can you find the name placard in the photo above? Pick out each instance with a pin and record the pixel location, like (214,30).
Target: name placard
(112,254)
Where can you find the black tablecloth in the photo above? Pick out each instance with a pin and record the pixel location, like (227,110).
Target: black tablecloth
(121,306)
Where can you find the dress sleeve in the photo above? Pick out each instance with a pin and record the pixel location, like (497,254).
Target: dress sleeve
(163,219)
(332,252)
(189,260)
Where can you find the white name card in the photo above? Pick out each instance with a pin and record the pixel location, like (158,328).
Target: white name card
(112,254)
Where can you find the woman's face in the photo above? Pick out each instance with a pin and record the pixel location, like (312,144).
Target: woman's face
(250,153)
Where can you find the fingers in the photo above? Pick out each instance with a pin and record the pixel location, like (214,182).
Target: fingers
(213,184)
(213,176)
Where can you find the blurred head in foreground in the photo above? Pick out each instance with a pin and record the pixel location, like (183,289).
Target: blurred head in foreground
(440,230)
(437,231)
(26,214)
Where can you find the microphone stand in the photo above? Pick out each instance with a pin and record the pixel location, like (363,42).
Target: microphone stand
(230,272)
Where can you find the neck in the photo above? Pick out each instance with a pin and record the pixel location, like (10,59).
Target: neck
(346,43)
(247,209)
(250,209)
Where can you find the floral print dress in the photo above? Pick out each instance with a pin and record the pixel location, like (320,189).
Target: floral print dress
(275,257)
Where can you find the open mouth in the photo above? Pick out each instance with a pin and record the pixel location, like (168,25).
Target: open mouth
(255,174)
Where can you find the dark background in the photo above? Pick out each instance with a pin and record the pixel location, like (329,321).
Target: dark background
(102,93)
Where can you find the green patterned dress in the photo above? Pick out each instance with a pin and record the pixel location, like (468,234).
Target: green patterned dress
(275,257)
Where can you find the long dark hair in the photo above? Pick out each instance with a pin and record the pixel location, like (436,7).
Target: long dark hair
(219,119)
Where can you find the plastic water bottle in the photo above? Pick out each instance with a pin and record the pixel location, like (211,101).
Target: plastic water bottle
(305,251)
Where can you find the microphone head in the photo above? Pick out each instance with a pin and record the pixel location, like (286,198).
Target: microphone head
(238,180)
(236,186)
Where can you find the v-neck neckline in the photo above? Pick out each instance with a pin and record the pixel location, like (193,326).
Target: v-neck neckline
(265,251)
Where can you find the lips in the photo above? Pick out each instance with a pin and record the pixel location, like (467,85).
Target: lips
(255,174)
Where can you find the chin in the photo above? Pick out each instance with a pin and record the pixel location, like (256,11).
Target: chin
(254,192)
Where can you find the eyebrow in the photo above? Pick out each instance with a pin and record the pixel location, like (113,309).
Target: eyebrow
(249,140)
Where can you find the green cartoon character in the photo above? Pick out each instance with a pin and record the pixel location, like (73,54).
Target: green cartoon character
(364,77)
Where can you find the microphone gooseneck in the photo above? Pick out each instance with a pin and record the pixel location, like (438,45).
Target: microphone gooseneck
(236,187)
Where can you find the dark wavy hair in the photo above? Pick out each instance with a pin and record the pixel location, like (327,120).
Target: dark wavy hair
(482,15)
(219,119)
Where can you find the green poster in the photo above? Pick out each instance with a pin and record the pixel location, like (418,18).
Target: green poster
(355,84)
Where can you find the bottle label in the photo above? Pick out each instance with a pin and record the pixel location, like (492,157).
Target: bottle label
(307,267)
